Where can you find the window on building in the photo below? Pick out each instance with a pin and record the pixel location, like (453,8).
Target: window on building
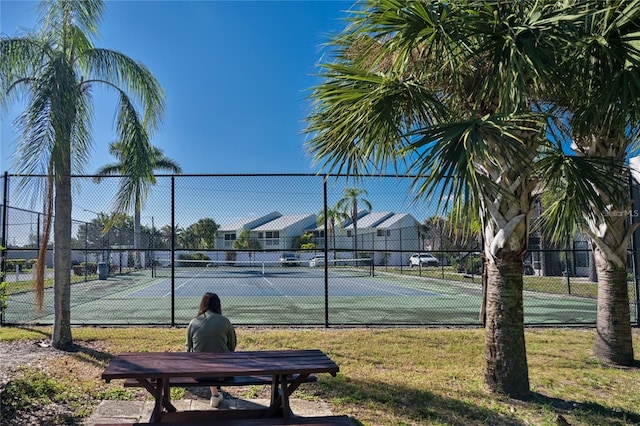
(383,233)
(229,239)
(272,238)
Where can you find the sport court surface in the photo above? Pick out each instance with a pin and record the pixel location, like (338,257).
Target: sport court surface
(291,296)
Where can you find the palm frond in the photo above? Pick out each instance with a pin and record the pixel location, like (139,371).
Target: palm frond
(59,16)
(362,118)
(82,142)
(607,56)
(465,159)
(22,59)
(128,75)
(573,188)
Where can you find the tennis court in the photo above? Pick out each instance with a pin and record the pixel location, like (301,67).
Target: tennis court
(263,294)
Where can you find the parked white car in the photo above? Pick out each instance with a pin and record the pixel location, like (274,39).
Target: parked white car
(289,259)
(423,259)
(316,261)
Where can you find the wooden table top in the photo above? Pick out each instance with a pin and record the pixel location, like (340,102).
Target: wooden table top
(154,365)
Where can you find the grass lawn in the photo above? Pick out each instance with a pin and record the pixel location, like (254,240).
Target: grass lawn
(398,376)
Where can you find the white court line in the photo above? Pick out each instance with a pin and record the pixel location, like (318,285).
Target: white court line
(190,279)
(276,288)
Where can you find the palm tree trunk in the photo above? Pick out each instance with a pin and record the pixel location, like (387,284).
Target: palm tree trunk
(62,259)
(506,369)
(613,343)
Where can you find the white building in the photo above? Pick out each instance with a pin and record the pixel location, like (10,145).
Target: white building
(388,234)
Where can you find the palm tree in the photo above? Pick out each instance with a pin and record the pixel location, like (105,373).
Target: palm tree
(348,204)
(205,232)
(55,71)
(604,110)
(137,162)
(334,217)
(246,242)
(450,89)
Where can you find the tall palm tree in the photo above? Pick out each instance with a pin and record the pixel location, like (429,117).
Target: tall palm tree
(348,204)
(334,217)
(604,109)
(137,162)
(54,71)
(450,90)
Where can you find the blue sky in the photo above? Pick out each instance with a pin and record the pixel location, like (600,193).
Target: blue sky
(236,75)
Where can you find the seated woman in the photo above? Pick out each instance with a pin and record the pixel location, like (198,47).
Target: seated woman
(211,331)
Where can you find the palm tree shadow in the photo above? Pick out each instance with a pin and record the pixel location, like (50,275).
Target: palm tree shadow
(81,352)
(410,403)
(87,354)
(421,405)
(585,410)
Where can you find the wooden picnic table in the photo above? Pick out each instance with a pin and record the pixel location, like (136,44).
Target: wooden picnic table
(153,370)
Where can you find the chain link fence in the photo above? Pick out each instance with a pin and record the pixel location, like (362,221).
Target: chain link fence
(278,252)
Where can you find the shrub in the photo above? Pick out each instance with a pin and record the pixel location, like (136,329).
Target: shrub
(193,256)
(90,268)
(11,264)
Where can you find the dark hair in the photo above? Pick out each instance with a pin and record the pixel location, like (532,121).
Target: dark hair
(210,302)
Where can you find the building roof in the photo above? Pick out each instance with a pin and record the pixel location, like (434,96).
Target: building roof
(284,222)
(392,220)
(371,220)
(250,222)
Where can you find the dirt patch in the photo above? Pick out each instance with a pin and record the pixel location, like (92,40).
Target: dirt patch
(18,357)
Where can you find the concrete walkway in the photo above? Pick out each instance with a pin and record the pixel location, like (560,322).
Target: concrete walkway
(140,411)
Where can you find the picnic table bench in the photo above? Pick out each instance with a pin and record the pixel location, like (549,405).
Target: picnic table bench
(157,372)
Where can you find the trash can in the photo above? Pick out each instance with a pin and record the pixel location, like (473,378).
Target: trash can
(103,270)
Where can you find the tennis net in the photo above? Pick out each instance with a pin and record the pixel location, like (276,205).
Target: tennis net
(252,268)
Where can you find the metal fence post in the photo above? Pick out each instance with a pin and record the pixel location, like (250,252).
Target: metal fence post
(3,268)
(173,251)
(326,256)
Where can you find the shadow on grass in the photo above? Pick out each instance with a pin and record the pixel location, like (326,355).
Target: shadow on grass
(80,351)
(408,404)
(90,355)
(586,411)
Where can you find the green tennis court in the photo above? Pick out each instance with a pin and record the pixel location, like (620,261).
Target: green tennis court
(292,296)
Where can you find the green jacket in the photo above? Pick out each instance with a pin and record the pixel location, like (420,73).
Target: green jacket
(211,332)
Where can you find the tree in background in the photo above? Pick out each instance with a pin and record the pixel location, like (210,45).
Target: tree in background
(138,161)
(203,233)
(54,71)
(304,242)
(166,233)
(436,232)
(451,90)
(246,242)
(348,204)
(335,217)
(185,238)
